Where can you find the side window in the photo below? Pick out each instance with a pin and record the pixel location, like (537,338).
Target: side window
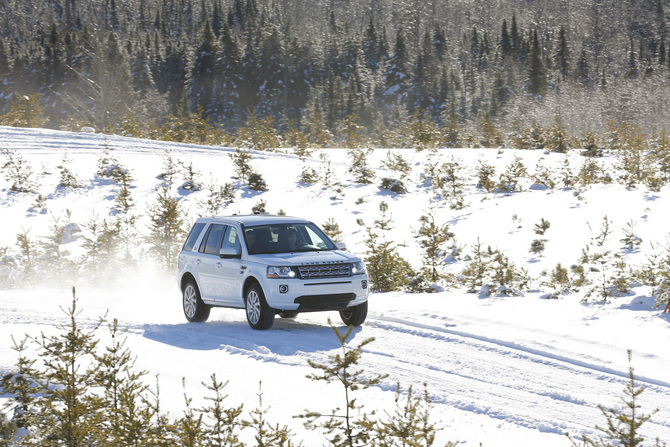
(193,236)
(231,240)
(212,244)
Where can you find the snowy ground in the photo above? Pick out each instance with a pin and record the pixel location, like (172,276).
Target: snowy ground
(503,371)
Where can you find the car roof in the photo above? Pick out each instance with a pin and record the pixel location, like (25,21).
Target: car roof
(254,219)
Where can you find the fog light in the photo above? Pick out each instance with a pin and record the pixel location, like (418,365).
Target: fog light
(364,284)
(283,288)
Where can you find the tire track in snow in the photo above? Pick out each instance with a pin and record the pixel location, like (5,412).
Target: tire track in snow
(507,380)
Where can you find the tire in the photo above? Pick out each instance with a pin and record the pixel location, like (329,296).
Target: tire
(194,309)
(259,315)
(288,314)
(355,315)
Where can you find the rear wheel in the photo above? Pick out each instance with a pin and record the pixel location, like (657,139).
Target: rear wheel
(355,315)
(195,310)
(259,315)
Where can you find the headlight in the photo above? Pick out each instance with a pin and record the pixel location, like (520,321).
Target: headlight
(281,272)
(358,268)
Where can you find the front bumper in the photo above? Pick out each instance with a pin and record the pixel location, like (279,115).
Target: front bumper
(318,295)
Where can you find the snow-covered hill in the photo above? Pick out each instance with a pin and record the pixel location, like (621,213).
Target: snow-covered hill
(502,371)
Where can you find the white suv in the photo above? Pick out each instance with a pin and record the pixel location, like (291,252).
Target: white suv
(269,265)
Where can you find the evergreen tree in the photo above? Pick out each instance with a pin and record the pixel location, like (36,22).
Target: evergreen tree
(432,237)
(353,427)
(537,76)
(18,172)
(562,54)
(20,384)
(127,418)
(201,78)
(388,271)
(397,72)
(221,425)
(69,413)
(623,424)
(25,112)
(167,227)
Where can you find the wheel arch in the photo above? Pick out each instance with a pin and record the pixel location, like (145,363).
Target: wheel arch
(248,283)
(187,277)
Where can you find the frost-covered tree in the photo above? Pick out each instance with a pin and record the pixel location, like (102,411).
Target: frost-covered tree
(18,172)
(166,228)
(432,238)
(388,271)
(360,170)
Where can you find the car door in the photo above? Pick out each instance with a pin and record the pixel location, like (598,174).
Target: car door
(205,264)
(229,272)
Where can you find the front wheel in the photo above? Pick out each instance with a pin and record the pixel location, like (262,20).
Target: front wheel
(195,310)
(259,315)
(355,315)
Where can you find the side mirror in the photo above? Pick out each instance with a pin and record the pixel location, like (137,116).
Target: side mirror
(229,253)
(341,245)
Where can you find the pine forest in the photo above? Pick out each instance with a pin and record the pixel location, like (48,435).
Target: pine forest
(376,73)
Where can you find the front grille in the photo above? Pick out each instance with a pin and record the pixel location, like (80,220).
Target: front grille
(325,271)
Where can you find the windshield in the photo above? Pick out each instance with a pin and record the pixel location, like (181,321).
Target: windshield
(286,238)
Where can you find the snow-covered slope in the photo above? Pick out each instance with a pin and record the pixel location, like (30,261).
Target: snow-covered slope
(503,371)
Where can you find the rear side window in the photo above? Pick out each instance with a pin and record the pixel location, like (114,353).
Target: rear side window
(193,236)
(212,244)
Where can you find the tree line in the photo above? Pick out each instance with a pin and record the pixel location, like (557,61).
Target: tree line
(327,68)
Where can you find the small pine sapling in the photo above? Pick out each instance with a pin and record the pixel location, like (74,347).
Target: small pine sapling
(602,260)
(308,175)
(623,424)
(189,428)
(475,274)
(191,175)
(544,176)
(166,227)
(109,166)
(485,173)
(259,207)
(410,423)
(387,269)
(28,256)
(332,229)
(69,414)
(353,427)
(431,237)
(631,240)
(242,163)
(258,133)
(514,172)
(359,167)
(221,425)
(67,177)
(18,172)
(256,182)
(567,176)
(127,418)
(266,434)
(542,227)
(217,199)
(558,279)
(537,246)
(39,205)
(23,385)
